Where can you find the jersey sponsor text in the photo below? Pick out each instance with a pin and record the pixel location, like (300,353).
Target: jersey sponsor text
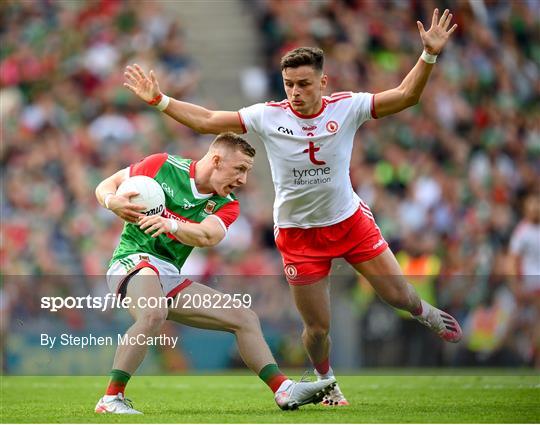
(311,175)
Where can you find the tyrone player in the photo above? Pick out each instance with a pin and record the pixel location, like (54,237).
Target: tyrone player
(318,217)
(152,250)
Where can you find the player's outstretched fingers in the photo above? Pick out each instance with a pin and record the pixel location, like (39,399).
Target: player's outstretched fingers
(133,89)
(444,18)
(140,72)
(132,72)
(153,78)
(129,76)
(447,23)
(434,18)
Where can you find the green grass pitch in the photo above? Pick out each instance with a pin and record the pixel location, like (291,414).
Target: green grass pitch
(244,399)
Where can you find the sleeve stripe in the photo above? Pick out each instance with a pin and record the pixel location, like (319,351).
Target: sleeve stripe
(373,113)
(244,129)
(340,93)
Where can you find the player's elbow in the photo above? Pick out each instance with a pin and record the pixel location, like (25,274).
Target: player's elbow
(203,128)
(208,240)
(209,124)
(98,190)
(411,99)
(203,125)
(408,96)
(204,243)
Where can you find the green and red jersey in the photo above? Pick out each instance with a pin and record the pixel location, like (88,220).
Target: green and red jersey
(183,202)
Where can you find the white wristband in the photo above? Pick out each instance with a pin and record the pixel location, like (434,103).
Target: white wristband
(106,199)
(174,225)
(428,58)
(163,103)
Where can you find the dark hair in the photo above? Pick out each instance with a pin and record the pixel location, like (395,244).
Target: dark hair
(234,142)
(311,56)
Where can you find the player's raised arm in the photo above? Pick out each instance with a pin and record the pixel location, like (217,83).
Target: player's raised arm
(196,117)
(409,91)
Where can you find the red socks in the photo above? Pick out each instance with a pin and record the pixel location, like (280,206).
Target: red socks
(323,367)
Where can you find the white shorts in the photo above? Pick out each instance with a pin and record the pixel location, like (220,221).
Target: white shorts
(169,276)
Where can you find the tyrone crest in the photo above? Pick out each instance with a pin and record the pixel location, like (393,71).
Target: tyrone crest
(290,271)
(332,126)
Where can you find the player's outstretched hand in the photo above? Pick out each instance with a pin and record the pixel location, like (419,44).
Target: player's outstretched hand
(156,224)
(436,37)
(123,208)
(146,87)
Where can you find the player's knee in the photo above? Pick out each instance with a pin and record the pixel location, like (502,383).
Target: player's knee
(153,319)
(318,331)
(245,318)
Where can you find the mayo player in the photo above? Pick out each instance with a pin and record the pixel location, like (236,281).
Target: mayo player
(318,216)
(199,208)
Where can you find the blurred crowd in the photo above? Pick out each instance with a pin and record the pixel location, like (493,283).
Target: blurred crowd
(446,180)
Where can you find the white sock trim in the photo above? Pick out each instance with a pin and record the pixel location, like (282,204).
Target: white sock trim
(327,375)
(284,385)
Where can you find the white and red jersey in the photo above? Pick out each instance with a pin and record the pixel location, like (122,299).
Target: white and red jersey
(525,243)
(310,156)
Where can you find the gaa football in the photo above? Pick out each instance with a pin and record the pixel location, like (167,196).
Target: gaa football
(150,194)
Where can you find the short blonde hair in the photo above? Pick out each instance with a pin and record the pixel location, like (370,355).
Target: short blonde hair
(233,141)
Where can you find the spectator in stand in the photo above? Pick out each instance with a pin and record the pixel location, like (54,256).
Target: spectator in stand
(524,264)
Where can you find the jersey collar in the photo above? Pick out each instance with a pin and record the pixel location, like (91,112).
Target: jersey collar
(307,117)
(196,193)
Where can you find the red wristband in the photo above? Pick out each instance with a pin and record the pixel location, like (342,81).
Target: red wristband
(155,100)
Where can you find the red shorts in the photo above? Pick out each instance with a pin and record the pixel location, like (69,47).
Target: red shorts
(308,253)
